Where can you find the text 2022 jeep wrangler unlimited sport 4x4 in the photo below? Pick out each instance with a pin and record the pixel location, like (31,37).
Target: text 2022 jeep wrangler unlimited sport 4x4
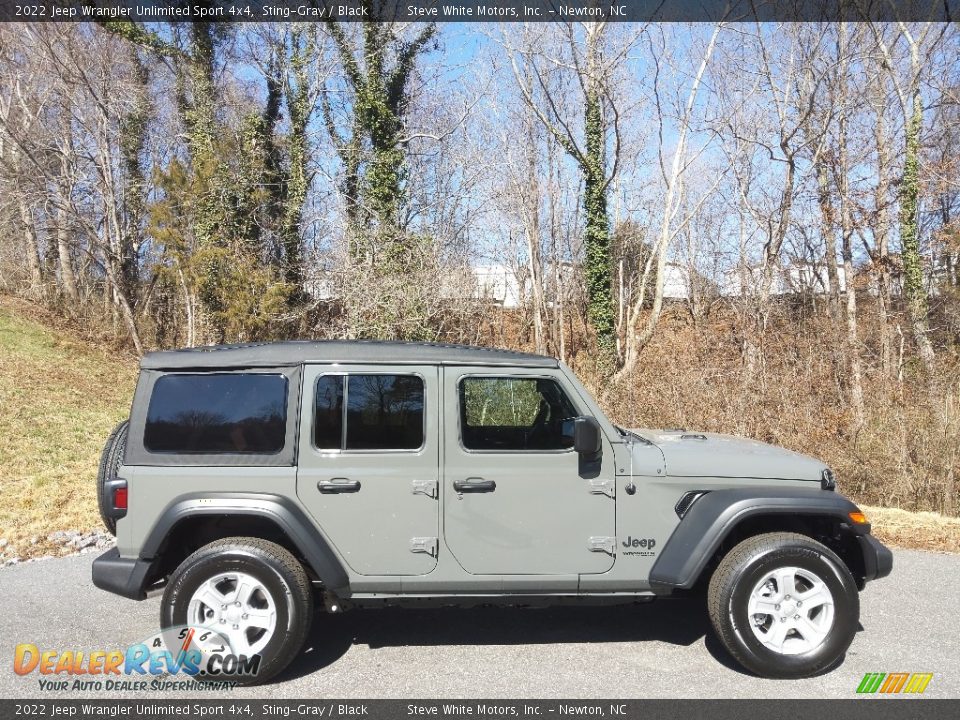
(253,482)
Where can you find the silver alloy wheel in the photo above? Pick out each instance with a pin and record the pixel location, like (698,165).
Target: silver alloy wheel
(791,610)
(239,607)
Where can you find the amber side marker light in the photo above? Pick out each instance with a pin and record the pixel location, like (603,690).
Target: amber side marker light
(858,518)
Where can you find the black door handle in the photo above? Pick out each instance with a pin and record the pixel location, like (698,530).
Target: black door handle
(338,485)
(474,485)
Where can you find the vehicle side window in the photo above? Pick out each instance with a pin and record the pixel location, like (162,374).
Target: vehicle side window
(511,413)
(378,412)
(217,413)
(328,413)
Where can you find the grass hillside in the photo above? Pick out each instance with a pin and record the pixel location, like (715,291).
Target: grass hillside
(59,398)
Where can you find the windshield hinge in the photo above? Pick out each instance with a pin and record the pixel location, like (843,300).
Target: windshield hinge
(603,486)
(606,545)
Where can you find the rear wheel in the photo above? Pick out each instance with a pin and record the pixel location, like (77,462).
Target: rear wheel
(110,460)
(251,592)
(784,605)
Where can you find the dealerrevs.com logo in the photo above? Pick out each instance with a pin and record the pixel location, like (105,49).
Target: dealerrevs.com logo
(198,653)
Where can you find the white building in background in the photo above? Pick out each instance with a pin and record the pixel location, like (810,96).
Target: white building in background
(508,286)
(499,284)
(676,282)
(787,280)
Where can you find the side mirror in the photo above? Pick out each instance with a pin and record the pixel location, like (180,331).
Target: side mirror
(587,438)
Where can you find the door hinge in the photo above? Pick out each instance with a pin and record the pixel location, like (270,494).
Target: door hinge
(425,545)
(425,487)
(606,545)
(603,486)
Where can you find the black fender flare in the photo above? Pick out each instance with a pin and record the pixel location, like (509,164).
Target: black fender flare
(716,513)
(283,512)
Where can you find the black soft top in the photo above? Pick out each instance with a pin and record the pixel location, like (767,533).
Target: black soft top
(297,352)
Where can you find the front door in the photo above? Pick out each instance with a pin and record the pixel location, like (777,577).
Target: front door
(517,499)
(369,464)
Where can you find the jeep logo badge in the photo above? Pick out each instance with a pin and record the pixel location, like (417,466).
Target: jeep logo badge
(632,542)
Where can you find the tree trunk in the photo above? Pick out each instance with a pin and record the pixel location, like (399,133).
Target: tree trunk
(297,182)
(557,333)
(532,232)
(597,231)
(771,253)
(829,240)
(914,291)
(126,310)
(846,224)
(882,229)
(559,300)
(133,139)
(67,277)
(913,282)
(188,304)
(536,288)
(31,251)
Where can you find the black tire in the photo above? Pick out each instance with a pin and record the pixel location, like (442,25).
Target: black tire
(739,573)
(110,460)
(269,563)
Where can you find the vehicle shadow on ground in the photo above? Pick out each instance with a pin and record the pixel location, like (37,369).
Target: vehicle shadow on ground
(677,622)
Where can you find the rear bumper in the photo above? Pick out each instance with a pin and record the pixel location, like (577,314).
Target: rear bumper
(122,576)
(877,558)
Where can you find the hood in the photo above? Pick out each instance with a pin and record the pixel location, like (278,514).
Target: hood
(695,454)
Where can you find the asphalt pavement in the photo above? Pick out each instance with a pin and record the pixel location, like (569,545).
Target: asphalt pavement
(910,623)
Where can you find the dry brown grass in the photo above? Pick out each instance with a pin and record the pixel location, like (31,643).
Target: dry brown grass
(693,377)
(919,530)
(59,398)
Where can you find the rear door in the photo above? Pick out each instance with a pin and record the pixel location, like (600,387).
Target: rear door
(369,464)
(517,499)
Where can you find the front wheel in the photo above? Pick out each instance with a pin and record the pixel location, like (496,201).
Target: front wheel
(251,592)
(784,605)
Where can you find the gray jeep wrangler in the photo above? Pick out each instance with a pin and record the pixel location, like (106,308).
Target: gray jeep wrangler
(254,482)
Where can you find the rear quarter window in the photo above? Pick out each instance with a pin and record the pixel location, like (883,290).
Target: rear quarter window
(207,413)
